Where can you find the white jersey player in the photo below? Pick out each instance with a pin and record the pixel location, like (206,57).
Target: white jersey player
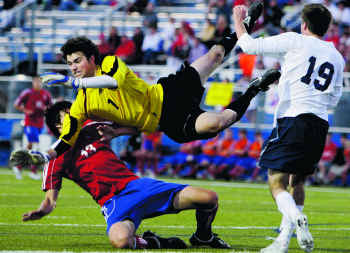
(312,72)
(311,82)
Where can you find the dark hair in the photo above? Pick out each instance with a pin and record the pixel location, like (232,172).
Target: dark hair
(52,115)
(82,44)
(317,18)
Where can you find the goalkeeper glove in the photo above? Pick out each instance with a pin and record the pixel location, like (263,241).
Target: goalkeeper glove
(52,79)
(25,158)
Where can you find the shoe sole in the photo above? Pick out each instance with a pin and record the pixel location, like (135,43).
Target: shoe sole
(255,10)
(269,77)
(304,236)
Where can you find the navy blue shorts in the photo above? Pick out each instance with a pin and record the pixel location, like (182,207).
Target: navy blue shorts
(295,146)
(142,198)
(183,93)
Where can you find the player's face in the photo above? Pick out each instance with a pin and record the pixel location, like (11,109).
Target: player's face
(36,83)
(80,65)
(60,124)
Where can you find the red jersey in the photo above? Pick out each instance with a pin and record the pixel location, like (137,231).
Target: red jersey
(37,101)
(255,149)
(329,152)
(209,148)
(240,147)
(92,165)
(225,146)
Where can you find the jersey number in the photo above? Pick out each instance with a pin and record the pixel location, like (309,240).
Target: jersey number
(325,71)
(112,103)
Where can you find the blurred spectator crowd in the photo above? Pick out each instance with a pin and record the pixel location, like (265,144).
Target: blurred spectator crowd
(227,157)
(178,41)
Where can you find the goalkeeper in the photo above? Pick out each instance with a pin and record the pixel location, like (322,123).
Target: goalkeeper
(111,91)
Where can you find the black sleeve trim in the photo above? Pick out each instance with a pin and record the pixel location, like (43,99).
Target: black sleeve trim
(61,148)
(114,68)
(72,130)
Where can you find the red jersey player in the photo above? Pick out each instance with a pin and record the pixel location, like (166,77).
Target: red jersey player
(33,102)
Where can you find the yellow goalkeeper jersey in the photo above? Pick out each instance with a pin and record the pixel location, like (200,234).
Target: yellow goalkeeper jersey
(133,103)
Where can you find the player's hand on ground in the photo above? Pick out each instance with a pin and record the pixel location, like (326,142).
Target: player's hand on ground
(25,158)
(54,79)
(33,215)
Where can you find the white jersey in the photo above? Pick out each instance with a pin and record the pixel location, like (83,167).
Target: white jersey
(312,72)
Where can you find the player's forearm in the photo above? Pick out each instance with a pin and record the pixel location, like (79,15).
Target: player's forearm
(240,29)
(103,81)
(46,207)
(49,203)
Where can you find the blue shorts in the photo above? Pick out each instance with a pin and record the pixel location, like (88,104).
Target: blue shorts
(148,145)
(142,198)
(295,146)
(32,133)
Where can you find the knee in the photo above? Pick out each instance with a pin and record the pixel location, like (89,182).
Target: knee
(213,198)
(218,123)
(214,124)
(120,241)
(210,199)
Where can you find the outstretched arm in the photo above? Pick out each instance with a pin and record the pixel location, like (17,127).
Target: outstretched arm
(104,81)
(46,207)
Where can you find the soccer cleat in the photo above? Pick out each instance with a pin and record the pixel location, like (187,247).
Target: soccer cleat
(304,237)
(254,12)
(157,242)
(152,242)
(213,242)
(262,83)
(276,247)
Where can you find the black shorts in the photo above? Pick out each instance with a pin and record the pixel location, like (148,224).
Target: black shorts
(295,146)
(182,94)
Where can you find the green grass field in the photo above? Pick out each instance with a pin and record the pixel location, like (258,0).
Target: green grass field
(246,218)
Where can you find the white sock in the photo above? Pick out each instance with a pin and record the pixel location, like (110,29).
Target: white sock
(285,221)
(300,207)
(286,205)
(286,230)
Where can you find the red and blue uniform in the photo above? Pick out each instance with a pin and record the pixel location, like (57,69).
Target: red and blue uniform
(122,195)
(35,101)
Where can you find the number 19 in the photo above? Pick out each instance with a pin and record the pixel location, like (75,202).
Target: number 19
(325,71)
